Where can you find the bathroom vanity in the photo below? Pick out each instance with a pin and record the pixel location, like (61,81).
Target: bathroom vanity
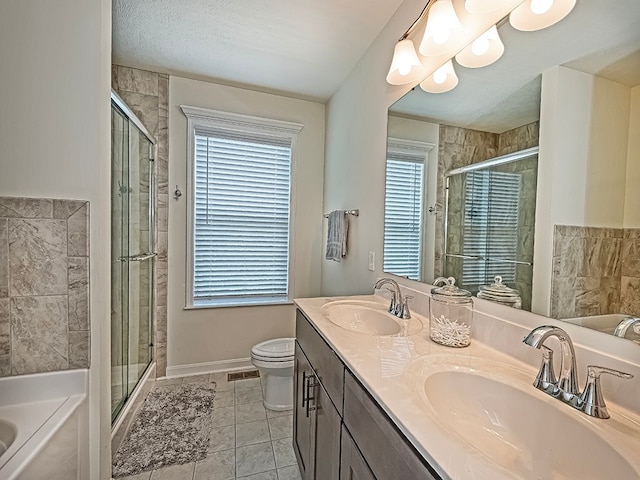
(376,399)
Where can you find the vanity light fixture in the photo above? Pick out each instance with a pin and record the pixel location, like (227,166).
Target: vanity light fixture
(442,80)
(471,39)
(484,50)
(538,14)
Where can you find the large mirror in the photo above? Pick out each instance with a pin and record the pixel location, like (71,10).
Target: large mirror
(528,169)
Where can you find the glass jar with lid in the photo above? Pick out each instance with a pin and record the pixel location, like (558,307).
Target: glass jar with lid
(451,314)
(498,292)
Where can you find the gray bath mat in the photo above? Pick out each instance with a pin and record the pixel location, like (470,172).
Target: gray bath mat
(171,428)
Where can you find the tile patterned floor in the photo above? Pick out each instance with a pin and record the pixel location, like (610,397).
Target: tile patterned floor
(246,442)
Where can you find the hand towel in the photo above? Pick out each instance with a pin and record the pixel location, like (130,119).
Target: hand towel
(337,235)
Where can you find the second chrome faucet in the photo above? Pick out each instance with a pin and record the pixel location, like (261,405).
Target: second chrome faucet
(399,305)
(565,388)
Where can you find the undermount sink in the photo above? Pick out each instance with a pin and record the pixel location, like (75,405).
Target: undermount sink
(368,318)
(8,434)
(493,412)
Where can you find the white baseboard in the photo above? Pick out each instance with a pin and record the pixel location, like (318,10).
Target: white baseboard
(232,365)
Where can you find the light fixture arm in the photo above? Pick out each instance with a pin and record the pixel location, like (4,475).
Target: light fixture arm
(423,14)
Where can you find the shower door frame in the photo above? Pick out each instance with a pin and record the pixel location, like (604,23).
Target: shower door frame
(150,255)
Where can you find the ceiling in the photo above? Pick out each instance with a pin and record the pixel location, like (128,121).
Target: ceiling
(302,48)
(599,37)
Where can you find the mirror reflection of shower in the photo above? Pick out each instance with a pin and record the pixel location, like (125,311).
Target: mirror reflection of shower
(490,221)
(132,252)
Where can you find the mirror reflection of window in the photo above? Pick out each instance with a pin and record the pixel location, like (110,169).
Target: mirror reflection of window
(404,208)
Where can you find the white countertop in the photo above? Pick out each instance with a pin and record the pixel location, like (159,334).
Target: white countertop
(392,368)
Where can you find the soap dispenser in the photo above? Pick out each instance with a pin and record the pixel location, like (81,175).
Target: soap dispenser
(451,314)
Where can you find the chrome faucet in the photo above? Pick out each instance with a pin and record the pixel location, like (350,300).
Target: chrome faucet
(399,305)
(624,325)
(590,401)
(567,384)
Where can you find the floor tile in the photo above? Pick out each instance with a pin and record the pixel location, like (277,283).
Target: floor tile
(174,472)
(224,398)
(250,412)
(168,381)
(281,427)
(289,473)
(217,465)
(222,384)
(223,416)
(222,438)
(278,413)
(196,379)
(283,451)
(251,433)
(254,459)
(248,383)
(270,475)
(248,395)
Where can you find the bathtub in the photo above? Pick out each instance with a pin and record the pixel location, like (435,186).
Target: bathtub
(42,420)
(603,323)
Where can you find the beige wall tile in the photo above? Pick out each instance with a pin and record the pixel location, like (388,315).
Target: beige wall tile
(26,207)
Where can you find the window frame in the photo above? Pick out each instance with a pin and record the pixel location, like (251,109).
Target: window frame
(238,123)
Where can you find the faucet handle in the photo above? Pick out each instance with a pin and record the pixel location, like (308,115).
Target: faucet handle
(406,314)
(591,400)
(546,379)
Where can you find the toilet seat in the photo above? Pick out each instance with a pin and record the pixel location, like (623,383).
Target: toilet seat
(276,350)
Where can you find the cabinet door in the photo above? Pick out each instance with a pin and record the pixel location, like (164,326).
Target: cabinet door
(327,435)
(302,416)
(352,463)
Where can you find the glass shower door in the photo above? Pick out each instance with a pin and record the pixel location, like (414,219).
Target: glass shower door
(132,257)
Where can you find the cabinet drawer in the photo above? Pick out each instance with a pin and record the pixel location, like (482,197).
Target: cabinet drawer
(328,367)
(384,447)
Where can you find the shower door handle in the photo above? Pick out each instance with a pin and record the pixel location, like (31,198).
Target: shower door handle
(138,258)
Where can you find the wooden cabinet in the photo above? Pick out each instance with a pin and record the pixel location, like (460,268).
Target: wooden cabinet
(339,430)
(316,421)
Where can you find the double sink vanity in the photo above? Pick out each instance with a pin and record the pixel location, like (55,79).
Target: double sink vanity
(376,399)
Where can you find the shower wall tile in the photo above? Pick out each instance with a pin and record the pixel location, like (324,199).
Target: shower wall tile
(127,79)
(39,334)
(37,256)
(147,93)
(44,258)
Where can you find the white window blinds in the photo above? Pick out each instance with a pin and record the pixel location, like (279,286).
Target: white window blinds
(241,206)
(403,213)
(490,227)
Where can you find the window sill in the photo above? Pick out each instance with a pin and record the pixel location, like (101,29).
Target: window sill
(249,302)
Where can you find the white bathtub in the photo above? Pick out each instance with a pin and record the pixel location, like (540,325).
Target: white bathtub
(602,323)
(45,411)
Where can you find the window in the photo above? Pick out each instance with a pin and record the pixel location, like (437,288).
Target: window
(403,218)
(240,203)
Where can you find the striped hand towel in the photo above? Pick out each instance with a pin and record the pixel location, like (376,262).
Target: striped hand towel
(337,235)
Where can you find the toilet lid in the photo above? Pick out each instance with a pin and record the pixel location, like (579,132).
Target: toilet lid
(277,348)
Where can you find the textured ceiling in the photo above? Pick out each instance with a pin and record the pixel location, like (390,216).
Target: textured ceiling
(600,37)
(302,47)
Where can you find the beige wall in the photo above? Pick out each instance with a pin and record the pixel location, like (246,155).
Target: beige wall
(584,131)
(206,336)
(632,192)
(54,143)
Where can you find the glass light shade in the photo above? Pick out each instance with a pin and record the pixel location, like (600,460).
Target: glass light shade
(482,6)
(441,32)
(442,80)
(525,18)
(405,66)
(484,50)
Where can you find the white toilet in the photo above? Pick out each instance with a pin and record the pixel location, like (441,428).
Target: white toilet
(274,360)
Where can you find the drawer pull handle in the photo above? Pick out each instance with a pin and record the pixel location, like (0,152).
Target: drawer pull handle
(310,385)
(304,389)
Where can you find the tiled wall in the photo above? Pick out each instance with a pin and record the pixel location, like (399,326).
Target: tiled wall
(147,94)
(595,271)
(44,285)
(459,147)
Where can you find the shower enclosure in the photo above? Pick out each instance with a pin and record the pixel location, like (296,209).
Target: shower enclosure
(490,222)
(132,252)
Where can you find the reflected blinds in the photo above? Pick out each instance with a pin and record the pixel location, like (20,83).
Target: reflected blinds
(242,205)
(403,213)
(490,227)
